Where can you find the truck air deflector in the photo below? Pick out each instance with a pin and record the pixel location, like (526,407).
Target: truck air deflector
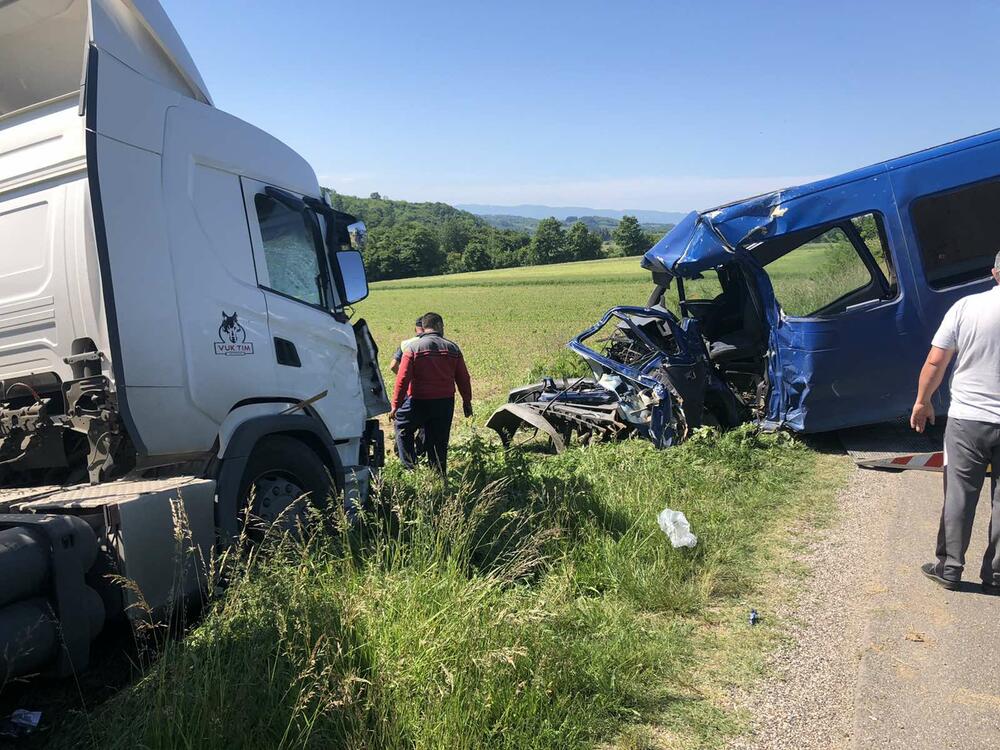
(101,243)
(140,35)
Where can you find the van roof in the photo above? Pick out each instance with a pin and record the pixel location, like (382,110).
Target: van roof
(706,239)
(933,152)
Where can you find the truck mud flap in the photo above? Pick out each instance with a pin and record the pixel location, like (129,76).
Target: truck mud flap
(508,418)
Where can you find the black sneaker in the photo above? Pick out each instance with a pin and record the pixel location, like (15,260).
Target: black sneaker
(930,570)
(991,587)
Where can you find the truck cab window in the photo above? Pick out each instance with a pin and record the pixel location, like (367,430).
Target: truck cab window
(823,272)
(293,261)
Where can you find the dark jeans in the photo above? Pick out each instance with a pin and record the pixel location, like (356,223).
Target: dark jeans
(969,448)
(433,416)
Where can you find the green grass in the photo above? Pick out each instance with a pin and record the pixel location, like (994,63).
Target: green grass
(533,603)
(507,321)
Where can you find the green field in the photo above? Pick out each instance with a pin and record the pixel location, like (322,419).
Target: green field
(511,321)
(508,320)
(531,601)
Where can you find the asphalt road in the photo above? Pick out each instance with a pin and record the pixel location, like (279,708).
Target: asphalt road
(879,657)
(929,675)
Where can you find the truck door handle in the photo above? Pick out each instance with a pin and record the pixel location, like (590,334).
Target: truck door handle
(286,353)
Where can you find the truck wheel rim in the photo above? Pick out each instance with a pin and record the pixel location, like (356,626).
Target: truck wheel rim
(279,498)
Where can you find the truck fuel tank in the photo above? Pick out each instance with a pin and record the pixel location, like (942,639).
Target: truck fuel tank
(66,550)
(139,522)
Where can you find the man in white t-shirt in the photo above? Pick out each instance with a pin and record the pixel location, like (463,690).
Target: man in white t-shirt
(969,333)
(398,356)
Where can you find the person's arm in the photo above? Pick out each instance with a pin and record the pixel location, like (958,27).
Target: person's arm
(403,378)
(396,359)
(464,383)
(931,377)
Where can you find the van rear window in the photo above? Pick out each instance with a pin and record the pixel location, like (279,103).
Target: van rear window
(958,233)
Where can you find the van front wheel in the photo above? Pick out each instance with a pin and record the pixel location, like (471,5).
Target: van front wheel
(283,477)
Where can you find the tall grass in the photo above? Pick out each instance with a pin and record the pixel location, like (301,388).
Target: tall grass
(529,602)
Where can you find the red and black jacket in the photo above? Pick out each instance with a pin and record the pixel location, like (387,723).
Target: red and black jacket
(431,368)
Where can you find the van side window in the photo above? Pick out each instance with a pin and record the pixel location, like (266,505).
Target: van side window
(823,271)
(957,232)
(871,233)
(289,250)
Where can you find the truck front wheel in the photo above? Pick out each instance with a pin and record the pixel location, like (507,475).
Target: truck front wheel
(283,477)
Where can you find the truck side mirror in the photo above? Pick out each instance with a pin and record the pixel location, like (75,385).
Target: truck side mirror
(352,271)
(358,233)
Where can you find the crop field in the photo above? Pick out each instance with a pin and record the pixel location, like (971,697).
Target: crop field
(528,601)
(511,322)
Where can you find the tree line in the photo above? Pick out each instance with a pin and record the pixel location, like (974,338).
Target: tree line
(424,239)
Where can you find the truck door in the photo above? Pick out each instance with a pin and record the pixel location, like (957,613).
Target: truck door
(847,348)
(312,350)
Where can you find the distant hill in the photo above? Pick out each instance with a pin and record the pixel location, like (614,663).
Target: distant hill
(532,211)
(507,221)
(379,212)
(593,223)
(407,239)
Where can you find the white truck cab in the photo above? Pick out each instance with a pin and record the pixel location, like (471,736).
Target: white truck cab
(174,303)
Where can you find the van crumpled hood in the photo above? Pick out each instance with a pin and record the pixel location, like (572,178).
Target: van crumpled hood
(706,240)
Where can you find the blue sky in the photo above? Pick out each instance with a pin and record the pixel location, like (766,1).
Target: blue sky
(655,105)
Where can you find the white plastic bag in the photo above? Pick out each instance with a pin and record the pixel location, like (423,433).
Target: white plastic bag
(675,525)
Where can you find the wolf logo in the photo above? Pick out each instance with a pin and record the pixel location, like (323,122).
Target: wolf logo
(231,331)
(232,337)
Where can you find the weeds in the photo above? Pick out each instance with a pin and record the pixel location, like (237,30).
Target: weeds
(526,603)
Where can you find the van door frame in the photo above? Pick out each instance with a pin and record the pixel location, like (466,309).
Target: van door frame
(813,389)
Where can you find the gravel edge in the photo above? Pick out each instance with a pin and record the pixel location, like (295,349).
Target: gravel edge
(805,699)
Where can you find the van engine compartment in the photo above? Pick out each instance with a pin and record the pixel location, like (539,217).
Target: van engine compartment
(655,374)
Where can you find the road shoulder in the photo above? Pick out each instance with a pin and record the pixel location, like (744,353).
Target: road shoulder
(805,696)
(875,655)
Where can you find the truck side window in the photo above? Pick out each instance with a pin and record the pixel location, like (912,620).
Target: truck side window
(957,233)
(292,258)
(822,272)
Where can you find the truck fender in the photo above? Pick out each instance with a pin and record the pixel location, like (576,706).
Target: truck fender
(240,445)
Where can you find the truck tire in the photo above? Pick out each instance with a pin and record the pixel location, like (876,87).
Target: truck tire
(284,476)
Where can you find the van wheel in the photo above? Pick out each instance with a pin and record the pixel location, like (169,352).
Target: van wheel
(282,477)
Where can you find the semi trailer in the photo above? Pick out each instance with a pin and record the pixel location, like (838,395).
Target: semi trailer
(175,328)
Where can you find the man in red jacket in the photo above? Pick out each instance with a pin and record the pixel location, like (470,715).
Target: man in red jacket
(424,396)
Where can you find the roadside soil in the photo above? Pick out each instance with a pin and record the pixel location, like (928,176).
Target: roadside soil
(877,656)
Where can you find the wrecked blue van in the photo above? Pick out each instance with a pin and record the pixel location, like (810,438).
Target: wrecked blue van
(809,308)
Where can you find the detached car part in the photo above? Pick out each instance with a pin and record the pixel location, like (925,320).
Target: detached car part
(652,378)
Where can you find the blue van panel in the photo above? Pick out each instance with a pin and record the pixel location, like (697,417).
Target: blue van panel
(859,366)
